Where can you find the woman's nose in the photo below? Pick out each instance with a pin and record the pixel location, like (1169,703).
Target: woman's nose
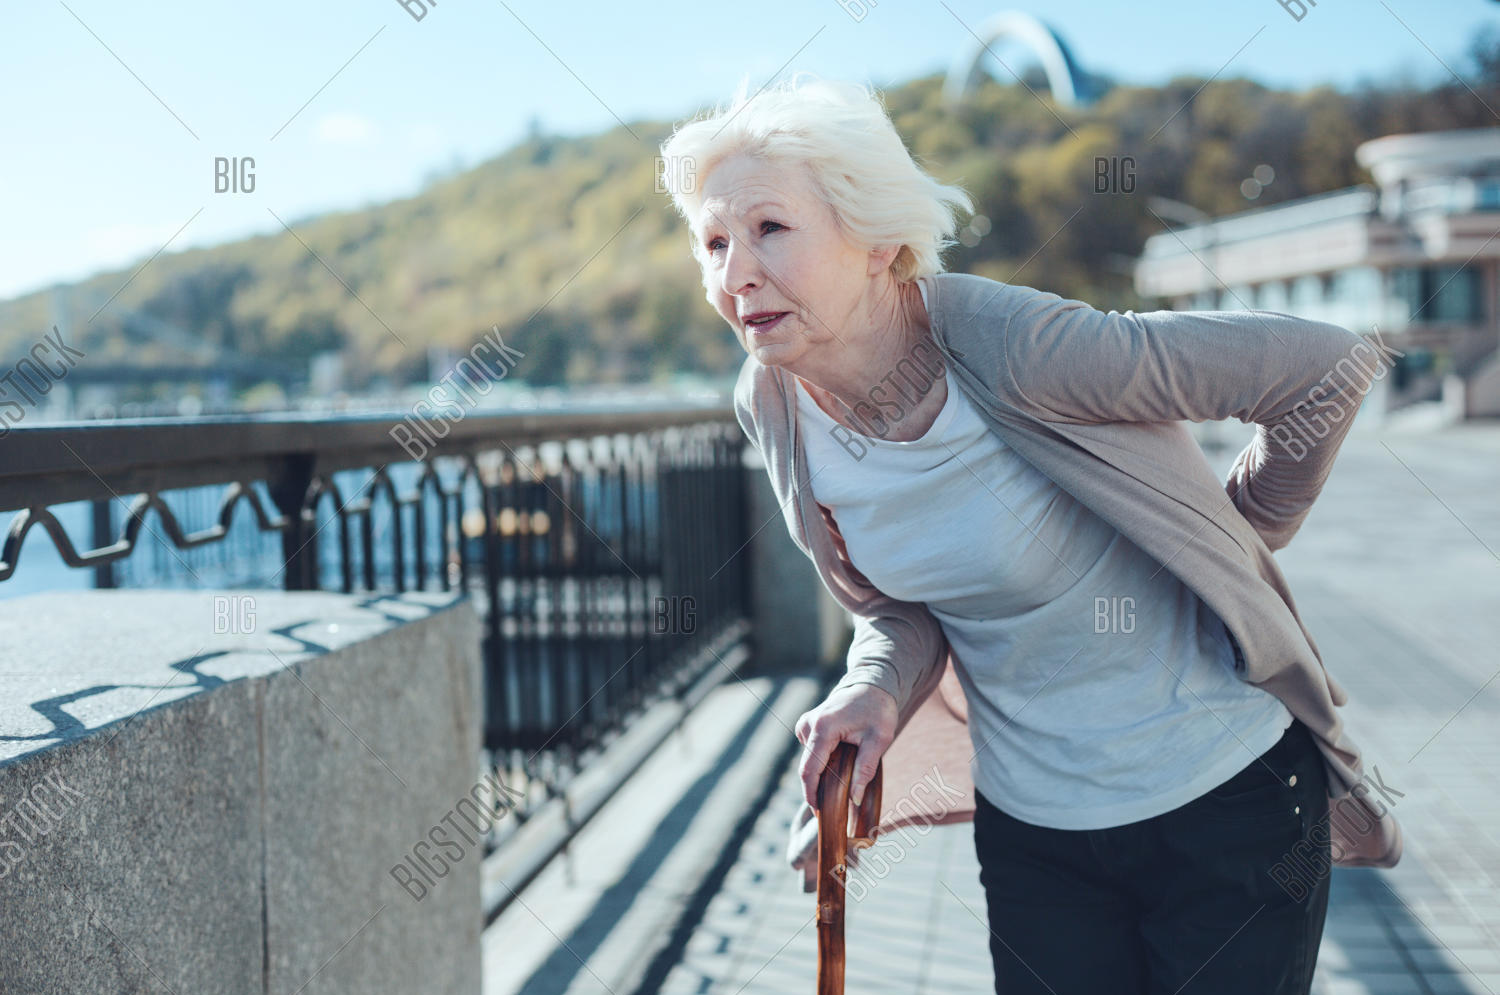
(741,270)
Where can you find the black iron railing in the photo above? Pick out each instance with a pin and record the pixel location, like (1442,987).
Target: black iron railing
(603,546)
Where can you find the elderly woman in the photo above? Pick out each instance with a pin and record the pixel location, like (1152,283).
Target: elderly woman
(997,480)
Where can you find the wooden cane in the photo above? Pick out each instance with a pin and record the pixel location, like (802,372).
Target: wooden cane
(834,841)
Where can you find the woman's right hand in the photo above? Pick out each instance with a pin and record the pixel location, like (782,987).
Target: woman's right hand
(861,714)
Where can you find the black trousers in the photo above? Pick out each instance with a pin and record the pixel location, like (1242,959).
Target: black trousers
(1197,899)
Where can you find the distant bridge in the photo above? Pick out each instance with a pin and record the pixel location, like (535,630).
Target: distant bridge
(1070,85)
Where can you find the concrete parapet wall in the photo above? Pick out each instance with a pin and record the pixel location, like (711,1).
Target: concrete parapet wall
(795,621)
(189,809)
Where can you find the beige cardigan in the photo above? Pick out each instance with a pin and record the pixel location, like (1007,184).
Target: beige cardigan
(1097,401)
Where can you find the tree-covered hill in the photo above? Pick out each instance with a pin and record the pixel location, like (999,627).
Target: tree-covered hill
(562,244)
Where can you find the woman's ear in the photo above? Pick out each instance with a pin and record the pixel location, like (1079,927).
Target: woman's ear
(881,258)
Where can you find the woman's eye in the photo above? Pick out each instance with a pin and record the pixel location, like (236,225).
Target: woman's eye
(714,243)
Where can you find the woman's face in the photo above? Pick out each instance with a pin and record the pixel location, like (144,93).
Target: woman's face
(773,247)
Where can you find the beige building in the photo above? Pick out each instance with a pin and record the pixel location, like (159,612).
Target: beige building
(1414,257)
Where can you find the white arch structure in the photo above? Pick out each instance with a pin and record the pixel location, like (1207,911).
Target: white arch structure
(1069,84)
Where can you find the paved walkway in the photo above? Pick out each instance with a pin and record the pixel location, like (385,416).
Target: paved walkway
(1397,574)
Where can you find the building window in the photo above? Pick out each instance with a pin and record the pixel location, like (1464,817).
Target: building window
(1307,295)
(1438,293)
(1406,287)
(1272,296)
(1236,298)
(1355,299)
(1455,294)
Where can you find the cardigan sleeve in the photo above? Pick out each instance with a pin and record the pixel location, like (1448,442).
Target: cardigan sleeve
(1298,381)
(876,656)
(898,646)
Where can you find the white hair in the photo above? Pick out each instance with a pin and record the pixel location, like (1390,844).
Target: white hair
(859,165)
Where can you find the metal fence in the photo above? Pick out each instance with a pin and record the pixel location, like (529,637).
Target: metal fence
(603,546)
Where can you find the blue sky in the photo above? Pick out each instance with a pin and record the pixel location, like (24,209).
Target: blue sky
(115,112)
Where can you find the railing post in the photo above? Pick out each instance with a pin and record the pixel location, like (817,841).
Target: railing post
(299,547)
(103,522)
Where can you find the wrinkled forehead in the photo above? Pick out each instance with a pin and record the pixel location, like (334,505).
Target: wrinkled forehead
(741,185)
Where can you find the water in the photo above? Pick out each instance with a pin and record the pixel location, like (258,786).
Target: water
(41,566)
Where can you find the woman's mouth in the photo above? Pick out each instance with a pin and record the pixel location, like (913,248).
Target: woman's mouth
(764,323)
